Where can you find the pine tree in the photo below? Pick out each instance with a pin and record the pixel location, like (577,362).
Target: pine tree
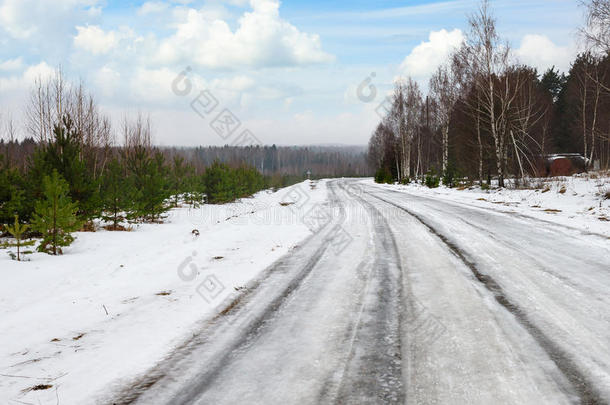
(153,189)
(554,82)
(17,231)
(219,184)
(55,216)
(196,189)
(14,205)
(178,178)
(12,197)
(117,194)
(64,153)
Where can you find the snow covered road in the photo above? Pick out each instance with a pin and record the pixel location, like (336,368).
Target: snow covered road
(402,298)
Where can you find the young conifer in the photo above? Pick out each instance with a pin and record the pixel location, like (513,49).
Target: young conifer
(55,216)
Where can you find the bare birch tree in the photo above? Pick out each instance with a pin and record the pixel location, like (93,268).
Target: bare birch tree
(596,32)
(486,52)
(396,120)
(444,91)
(413,110)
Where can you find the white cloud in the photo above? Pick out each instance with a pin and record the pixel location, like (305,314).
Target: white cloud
(11,64)
(152,85)
(237,83)
(24,19)
(262,39)
(426,57)
(152,7)
(107,80)
(539,51)
(240,3)
(22,82)
(13,20)
(94,11)
(39,71)
(93,39)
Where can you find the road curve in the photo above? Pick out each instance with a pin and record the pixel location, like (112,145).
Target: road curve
(422,302)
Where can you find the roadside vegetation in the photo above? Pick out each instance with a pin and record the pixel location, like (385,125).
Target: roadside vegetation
(70,175)
(489,117)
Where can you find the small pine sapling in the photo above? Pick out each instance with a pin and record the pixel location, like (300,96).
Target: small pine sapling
(117,195)
(55,215)
(432,181)
(17,231)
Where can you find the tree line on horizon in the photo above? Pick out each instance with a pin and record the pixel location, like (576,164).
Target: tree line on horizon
(320,161)
(488,116)
(61,188)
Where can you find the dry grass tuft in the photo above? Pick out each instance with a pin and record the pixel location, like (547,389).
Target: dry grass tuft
(40,387)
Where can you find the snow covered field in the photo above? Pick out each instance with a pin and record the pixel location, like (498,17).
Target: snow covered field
(116,302)
(578,201)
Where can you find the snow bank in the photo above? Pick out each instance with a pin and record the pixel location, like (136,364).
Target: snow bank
(116,302)
(578,201)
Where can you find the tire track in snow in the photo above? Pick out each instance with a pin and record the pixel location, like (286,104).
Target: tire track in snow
(373,371)
(253,327)
(496,210)
(581,385)
(164,370)
(255,324)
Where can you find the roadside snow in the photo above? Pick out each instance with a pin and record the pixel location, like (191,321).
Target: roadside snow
(576,201)
(116,302)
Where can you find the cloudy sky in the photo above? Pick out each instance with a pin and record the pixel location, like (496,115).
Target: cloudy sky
(288,71)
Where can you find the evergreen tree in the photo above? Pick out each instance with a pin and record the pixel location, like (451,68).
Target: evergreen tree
(224,184)
(178,179)
(12,195)
(553,82)
(219,184)
(195,187)
(17,230)
(55,215)
(64,154)
(153,190)
(248,181)
(117,194)
(14,204)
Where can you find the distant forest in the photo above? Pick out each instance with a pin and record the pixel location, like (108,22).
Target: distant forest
(320,161)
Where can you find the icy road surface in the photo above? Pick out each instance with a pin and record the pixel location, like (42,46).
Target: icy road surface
(400,298)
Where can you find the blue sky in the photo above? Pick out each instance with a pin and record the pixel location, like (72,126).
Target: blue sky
(289,71)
